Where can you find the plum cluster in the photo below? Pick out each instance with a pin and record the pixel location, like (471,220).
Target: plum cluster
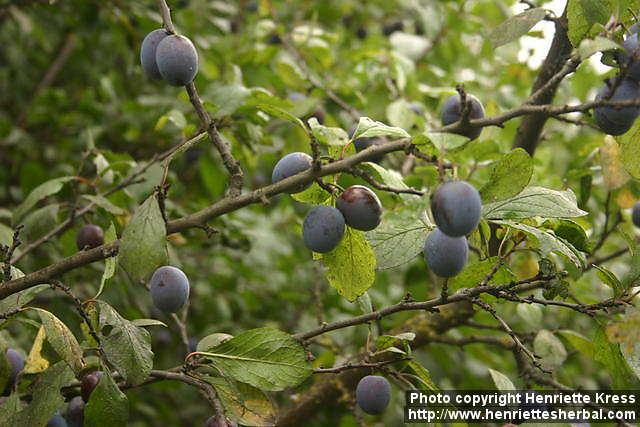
(456,208)
(623,87)
(373,394)
(324,226)
(170,57)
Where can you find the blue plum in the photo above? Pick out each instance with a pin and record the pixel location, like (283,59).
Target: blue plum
(323,229)
(290,165)
(57,421)
(445,256)
(16,362)
(169,288)
(373,394)
(635,214)
(612,120)
(631,56)
(360,207)
(456,207)
(177,60)
(148,52)
(452,113)
(75,412)
(361,144)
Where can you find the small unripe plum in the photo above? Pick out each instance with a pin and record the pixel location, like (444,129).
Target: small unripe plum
(373,394)
(169,288)
(89,383)
(360,207)
(290,165)
(75,412)
(445,256)
(89,236)
(16,362)
(452,113)
(148,52)
(177,60)
(612,120)
(213,422)
(456,207)
(635,214)
(323,229)
(57,421)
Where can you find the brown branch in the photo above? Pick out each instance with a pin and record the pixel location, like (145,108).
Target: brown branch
(371,366)
(383,187)
(553,70)
(429,305)
(236,179)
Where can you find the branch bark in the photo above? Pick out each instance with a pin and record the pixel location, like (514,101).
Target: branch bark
(545,86)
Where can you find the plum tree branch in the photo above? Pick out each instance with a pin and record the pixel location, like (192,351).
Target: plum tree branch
(200,218)
(551,73)
(429,305)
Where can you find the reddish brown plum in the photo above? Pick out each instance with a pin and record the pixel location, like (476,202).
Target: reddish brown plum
(360,207)
(89,236)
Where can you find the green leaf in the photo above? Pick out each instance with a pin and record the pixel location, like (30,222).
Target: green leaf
(10,409)
(508,176)
(62,340)
(386,341)
(143,246)
(212,340)
(351,266)
(107,406)
(531,314)
(173,116)
(548,242)
(265,358)
(109,263)
(582,15)
(368,128)
(280,113)
(608,354)
(610,279)
(630,150)
(38,222)
(46,397)
(535,202)
(127,346)
(516,26)
(42,191)
(477,271)
(550,349)
(447,141)
(423,375)
(400,236)
(314,195)
(400,114)
(243,403)
(328,136)
(20,299)
(578,341)
(143,323)
(502,382)
(386,176)
(6,235)
(589,47)
(105,204)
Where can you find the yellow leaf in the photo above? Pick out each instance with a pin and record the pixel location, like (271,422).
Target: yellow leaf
(35,363)
(613,171)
